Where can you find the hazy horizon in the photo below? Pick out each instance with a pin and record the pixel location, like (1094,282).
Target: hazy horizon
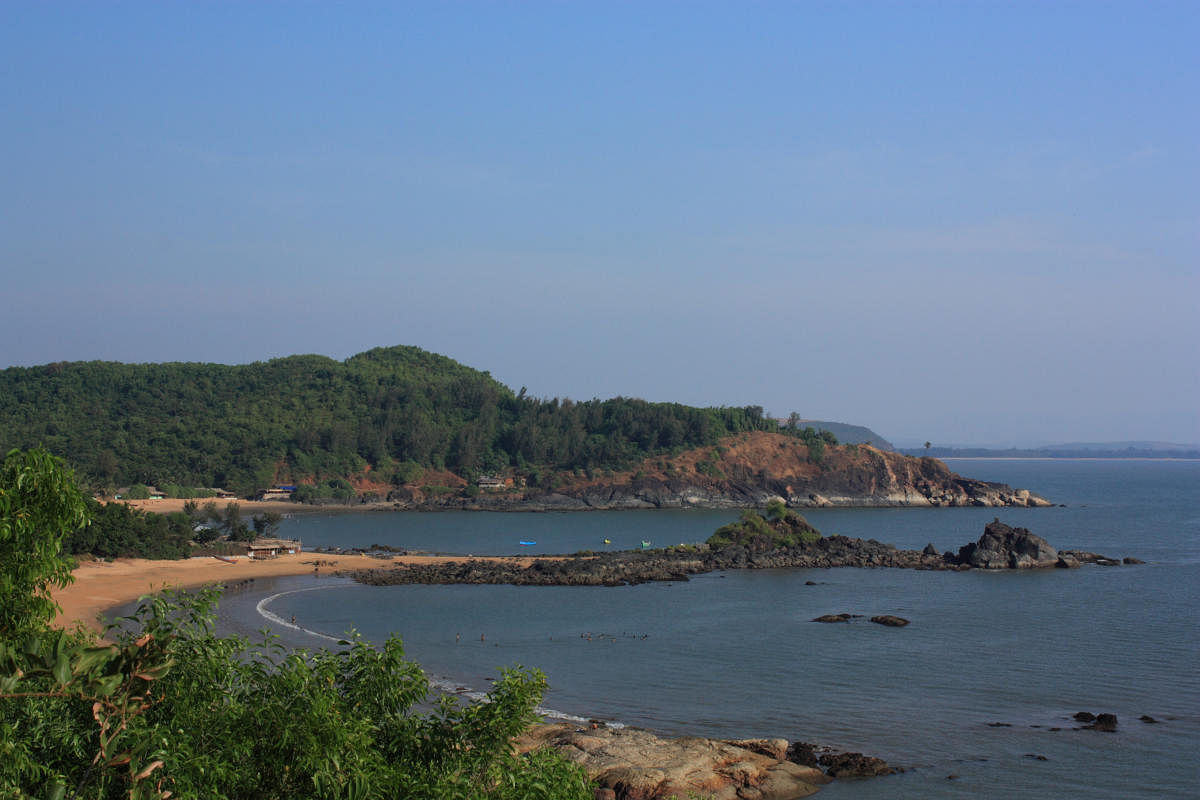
(949,222)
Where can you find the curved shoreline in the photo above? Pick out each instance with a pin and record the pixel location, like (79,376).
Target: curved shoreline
(101,586)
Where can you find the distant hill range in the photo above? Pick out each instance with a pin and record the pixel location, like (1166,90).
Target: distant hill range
(850,434)
(419,430)
(1137,449)
(388,417)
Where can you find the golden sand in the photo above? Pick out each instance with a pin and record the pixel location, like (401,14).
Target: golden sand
(103,585)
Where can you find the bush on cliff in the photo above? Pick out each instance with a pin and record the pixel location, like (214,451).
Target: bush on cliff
(780,528)
(170,709)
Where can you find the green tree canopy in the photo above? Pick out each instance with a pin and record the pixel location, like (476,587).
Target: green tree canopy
(39,504)
(399,410)
(169,709)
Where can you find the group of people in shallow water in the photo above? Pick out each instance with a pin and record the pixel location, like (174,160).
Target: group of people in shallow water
(612,637)
(588,636)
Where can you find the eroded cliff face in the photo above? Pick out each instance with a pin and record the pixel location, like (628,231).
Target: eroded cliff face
(748,470)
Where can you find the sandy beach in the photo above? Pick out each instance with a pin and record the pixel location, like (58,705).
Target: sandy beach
(169,505)
(103,585)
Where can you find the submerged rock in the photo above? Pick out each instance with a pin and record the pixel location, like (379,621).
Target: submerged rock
(803,753)
(890,621)
(854,765)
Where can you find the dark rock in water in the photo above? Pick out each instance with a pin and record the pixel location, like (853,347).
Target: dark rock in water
(833,618)
(999,724)
(890,621)
(1002,547)
(1149,720)
(810,583)
(802,753)
(1132,560)
(854,765)
(1036,757)
(1105,722)
(1085,716)
(929,550)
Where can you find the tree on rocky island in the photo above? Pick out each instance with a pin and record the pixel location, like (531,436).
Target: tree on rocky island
(780,528)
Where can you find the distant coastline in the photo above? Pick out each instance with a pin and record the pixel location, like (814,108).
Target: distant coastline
(1103,451)
(1071,458)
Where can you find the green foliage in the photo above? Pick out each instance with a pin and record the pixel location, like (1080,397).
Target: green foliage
(777,510)
(170,709)
(116,530)
(780,528)
(815,440)
(310,418)
(176,708)
(709,466)
(39,503)
(408,472)
(334,490)
(266,524)
(139,491)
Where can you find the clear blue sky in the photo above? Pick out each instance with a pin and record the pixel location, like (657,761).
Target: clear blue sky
(962,221)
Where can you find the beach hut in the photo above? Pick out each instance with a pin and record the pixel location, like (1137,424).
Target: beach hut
(270,548)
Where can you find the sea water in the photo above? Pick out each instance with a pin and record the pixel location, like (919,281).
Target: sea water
(967,697)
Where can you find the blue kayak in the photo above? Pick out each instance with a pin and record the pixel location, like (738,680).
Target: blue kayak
(525,543)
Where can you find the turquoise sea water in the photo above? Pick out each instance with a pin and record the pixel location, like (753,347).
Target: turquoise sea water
(735,654)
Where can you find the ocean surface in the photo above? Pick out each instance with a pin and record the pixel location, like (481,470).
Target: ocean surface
(735,654)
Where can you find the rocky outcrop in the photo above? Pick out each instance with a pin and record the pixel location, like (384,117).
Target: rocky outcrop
(637,765)
(1098,722)
(854,765)
(1002,547)
(746,471)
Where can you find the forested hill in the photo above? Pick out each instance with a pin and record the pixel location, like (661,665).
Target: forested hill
(391,411)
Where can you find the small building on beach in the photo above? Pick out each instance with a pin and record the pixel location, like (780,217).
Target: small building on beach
(270,548)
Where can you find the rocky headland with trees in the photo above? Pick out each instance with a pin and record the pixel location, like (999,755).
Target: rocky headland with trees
(403,428)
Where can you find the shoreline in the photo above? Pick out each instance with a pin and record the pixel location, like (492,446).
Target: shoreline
(169,505)
(610,751)
(101,586)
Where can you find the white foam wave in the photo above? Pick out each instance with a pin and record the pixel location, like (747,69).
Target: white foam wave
(441,684)
(274,618)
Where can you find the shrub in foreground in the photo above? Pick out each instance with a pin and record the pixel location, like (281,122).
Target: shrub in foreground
(169,709)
